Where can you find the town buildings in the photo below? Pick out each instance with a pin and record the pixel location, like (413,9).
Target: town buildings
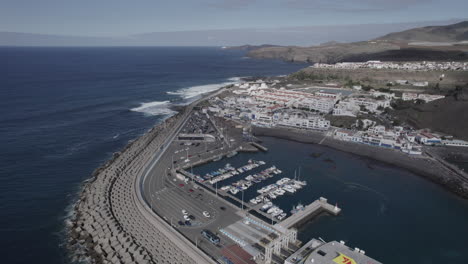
(411,66)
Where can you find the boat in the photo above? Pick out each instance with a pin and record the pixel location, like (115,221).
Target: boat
(232,154)
(281,216)
(218,158)
(297,208)
(253,201)
(272,209)
(266,206)
(289,189)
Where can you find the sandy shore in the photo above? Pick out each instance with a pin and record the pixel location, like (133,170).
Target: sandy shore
(431,167)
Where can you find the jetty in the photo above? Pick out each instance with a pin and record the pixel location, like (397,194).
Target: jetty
(311,210)
(260,147)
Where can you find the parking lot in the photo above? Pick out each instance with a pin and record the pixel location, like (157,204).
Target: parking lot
(169,195)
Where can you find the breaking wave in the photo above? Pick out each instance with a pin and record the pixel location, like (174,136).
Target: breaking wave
(194,91)
(156,108)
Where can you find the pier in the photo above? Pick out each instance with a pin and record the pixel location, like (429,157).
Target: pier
(260,147)
(316,207)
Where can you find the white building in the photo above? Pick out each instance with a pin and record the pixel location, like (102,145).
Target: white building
(409,96)
(346,108)
(430,97)
(455,143)
(302,121)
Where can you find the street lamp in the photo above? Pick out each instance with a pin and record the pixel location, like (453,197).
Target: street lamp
(242,200)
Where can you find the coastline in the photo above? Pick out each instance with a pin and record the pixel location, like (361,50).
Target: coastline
(100,234)
(427,167)
(110,221)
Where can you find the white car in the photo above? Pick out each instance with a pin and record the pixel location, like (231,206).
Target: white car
(184,212)
(186,218)
(206,214)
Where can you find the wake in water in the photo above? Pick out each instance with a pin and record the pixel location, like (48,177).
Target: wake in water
(156,108)
(194,91)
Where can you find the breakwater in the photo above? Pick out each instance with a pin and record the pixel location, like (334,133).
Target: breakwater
(111,221)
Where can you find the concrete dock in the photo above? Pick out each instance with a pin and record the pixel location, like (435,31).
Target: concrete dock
(260,147)
(316,207)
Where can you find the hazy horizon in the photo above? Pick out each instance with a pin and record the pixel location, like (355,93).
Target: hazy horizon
(215,22)
(298,36)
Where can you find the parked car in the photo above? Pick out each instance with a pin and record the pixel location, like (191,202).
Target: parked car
(206,214)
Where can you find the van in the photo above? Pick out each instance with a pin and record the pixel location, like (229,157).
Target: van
(210,236)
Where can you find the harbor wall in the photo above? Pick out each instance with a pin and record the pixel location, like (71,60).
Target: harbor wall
(111,222)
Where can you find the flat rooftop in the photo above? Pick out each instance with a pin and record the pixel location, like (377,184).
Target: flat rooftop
(318,252)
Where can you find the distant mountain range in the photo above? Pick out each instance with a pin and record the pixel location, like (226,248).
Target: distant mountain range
(303,36)
(448,42)
(450,33)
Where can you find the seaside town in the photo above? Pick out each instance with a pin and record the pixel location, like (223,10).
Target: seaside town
(412,66)
(267,104)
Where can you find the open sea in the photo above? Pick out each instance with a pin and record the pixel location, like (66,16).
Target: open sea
(64,111)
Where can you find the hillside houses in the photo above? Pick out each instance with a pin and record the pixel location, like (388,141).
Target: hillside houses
(307,109)
(425,97)
(411,66)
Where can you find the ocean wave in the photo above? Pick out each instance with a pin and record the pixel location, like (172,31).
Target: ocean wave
(194,91)
(156,108)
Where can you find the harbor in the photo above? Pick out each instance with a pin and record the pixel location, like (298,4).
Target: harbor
(255,189)
(215,187)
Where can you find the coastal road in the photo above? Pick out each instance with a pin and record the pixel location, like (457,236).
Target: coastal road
(168,196)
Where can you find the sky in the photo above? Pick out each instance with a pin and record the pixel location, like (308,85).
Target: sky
(108,18)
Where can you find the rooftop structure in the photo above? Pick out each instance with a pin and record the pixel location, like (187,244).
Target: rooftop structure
(319,252)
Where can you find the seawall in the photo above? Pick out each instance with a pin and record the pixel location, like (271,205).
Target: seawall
(111,221)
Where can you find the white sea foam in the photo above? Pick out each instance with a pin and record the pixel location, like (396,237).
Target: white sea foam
(194,91)
(155,108)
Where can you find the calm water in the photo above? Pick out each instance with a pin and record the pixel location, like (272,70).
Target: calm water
(394,215)
(64,111)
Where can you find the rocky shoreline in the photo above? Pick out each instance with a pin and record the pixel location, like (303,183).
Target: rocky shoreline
(109,223)
(95,231)
(430,166)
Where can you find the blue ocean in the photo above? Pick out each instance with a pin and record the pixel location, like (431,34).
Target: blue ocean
(64,111)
